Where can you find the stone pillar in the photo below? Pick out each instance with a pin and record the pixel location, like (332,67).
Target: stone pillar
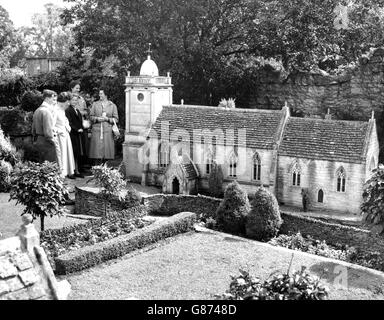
(28,235)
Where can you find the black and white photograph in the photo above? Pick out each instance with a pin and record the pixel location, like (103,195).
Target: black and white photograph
(205,151)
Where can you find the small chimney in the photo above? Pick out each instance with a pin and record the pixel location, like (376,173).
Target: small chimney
(168,74)
(373,115)
(129,74)
(182,102)
(328,116)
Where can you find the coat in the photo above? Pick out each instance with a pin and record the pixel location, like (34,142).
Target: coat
(102,145)
(43,130)
(77,138)
(66,158)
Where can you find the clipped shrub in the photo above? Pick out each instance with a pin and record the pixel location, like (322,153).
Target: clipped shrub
(215,181)
(31,100)
(5,176)
(298,286)
(40,188)
(29,152)
(263,221)
(232,212)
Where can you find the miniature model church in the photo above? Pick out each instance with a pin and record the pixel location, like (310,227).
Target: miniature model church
(174,147)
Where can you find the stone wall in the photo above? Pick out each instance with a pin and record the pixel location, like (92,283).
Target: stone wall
(168,204)
(332,233)
(358,90)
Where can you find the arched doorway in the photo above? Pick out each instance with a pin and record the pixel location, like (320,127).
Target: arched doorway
(175,186)
(320,196)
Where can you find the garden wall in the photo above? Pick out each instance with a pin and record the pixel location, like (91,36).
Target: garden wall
(169,204)
(332,233)
(358,91)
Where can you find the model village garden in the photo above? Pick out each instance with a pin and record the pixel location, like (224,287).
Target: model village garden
(123,220)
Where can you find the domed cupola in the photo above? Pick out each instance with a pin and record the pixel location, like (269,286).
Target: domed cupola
(149,68)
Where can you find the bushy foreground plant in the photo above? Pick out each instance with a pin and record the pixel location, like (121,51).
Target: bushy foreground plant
(5,176)
(372,207)
(40,188)
(232,212)
(263,221)
(7,150)
(298,286)
(111,182)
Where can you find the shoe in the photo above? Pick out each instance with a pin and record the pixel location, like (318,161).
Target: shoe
(79,175)
(72,176)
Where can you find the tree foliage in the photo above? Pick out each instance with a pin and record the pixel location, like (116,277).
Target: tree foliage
(263,221)
(372,207)
(40,188)
(214,48)
(232,212)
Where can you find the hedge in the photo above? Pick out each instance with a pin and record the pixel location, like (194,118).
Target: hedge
(111,249)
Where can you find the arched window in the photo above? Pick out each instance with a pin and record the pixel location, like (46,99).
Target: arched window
(340,180)
(256,167)
(232,165)
(320,196)
(163,155)
(296,175)
(208,162)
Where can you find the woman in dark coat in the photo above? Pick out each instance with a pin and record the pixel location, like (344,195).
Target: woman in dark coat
(77,134)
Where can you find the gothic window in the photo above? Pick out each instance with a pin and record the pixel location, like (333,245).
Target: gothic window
(163,155)
(320,196)
(340,180)
(256,167)
(208,163)
(232,166)
(296,175)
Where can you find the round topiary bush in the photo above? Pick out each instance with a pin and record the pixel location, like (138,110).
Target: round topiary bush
(232,212)
(264,220)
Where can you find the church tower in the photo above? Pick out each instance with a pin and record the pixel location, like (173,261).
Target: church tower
(145,96)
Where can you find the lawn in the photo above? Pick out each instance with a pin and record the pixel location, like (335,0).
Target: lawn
(199,265)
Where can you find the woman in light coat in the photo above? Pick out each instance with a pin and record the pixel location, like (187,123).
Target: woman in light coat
(103,115)
(66,159)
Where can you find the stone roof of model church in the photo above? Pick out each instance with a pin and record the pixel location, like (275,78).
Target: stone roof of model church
(262,126)
(332,140)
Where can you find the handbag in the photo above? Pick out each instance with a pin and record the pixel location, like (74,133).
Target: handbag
(115,130)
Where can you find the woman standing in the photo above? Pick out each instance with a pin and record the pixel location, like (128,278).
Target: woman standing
(66,159)
(76,134)
(103,115)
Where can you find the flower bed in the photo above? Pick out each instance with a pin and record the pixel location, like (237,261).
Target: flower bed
(59,241)
(307,244)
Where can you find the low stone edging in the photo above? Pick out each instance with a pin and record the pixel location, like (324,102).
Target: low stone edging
(90,256)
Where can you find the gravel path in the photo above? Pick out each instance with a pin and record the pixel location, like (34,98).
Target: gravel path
(199,265)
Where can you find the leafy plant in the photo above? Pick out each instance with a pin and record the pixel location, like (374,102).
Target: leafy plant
(7,150)
(232,212)
(298,286)
(263,221)
(111,183)
(40,188)
(372,207)
(5,178)
(230,103)
(31,100)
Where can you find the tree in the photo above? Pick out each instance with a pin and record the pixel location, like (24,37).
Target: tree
(7,32)
(40,188)
(263,221)
(372,207)
(233,209)
(215,180)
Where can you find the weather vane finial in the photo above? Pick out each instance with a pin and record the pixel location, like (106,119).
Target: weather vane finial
(149,50)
